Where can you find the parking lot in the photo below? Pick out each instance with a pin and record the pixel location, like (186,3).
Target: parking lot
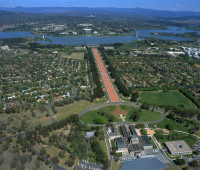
(86,165)
(127,157)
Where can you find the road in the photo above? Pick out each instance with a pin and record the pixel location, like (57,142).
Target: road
(111,92)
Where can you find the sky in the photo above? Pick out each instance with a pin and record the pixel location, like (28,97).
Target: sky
(175,5)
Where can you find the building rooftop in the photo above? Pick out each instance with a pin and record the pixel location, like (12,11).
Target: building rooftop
(144,140)
(178,146)
(136,148)
(89,134)
(124,131)
(120,143)
(133,131)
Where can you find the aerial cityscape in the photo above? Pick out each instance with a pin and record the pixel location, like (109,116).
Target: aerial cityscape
(100,85)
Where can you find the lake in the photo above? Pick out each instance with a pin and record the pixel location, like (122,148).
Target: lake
(88,40)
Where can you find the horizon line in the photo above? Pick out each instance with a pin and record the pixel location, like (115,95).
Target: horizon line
(101,7)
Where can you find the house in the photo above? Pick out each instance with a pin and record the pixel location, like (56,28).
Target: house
(178,147)
(89,134)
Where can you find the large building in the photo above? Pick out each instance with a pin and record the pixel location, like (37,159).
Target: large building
(124,131)
(178,147)
(134,136)
(144,140)
(136,149)
(120,145)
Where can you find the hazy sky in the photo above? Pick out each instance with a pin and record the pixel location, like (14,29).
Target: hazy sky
(180,5)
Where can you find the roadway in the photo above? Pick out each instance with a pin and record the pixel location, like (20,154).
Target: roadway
(109,87)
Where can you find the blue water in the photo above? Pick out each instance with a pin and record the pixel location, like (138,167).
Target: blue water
(14,34)
(143,164)
(78,40)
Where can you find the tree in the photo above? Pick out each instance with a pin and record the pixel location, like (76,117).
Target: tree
(43,151)
(1,160)
(143,131)
(134,96)
(61,154)
(169,126)
(55,160)
(179,161)
(69,162)
(99,121)
(139,125)
(194,163)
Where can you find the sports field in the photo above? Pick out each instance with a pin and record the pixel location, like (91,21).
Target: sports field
(174,98)
(75,56)
(145,115)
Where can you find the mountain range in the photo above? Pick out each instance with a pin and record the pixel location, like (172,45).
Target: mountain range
(96,11)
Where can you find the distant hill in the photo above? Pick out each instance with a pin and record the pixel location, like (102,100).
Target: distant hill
(96,11)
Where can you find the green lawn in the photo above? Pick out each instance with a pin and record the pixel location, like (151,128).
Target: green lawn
(154,145)
(159,132)
(101,100)
(174,98)
(89,117)
(116,165)
(145,115)
(124,107)
(176,136)
(75,56)
(103,146)
(165,121)
(74,108)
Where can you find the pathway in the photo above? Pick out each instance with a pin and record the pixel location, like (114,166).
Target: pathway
(109,87)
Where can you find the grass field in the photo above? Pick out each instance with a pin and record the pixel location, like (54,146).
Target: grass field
(75,56)
(124,107)
(170,167)
(89,117)
(190,140)
(116,165)
(101,100)
(174,98)
(153,143)
(165,121)
(74,108)
(145,115)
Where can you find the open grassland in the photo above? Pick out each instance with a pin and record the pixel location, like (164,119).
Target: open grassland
(173,98)
(166,121)
(145,115)
(75,56)
(89,117)
(39,118)
(170,167)
(74,108)
(10,155)
(116,165)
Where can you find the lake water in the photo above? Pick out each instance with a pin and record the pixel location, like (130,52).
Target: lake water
(78,40)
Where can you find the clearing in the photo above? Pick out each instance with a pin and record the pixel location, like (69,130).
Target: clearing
(75,56)
(173,98)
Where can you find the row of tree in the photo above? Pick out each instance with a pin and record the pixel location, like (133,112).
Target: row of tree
(189,96)
(97,91)
(100,154)
(121,86)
